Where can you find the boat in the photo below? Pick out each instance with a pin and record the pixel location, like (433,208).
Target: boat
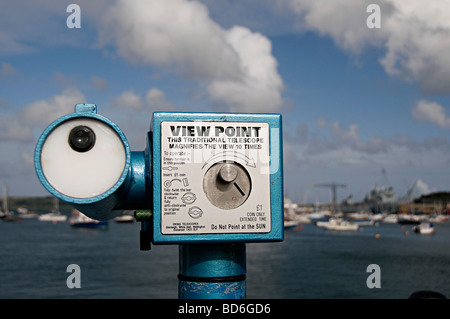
(11,217)
(6,215)
(289,224)
(322,223)
(291,218)
(24,213)
(424,228)
(54,215)
(80,220)
(362,218)
(126,217)
(408,219)
(338,224)
(439,218)
(319,215)
(390,219)
(363,221)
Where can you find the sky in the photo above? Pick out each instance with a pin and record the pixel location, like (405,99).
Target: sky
(361,92)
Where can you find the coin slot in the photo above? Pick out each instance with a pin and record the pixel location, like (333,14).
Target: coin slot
(239,189)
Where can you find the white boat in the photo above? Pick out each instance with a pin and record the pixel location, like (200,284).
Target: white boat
(302,219)
(289,224)
(424,228)
(365,218)
(78,220)
(363,221)
(318,215)
(292,219)
(24,213)
(338,224)
(390,219)
(54,215)
(439,218)
(126,217)
(377,217)
(322,223)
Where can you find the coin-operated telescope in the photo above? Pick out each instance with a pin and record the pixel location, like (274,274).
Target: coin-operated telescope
(203,178)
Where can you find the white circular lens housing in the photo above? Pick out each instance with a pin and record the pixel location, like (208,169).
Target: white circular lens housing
(83,174)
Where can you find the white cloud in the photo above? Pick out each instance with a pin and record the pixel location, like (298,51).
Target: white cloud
(343,20)
(432,112)
(99,83)
(62,79)
(43,112)
(422,187)
(337,145)
(414,33)
(156,98)
(176,33)
(260,86)
(3,103)
(10,45)
(340,138)
(7,69)
(27,158)
(19,126)
(339,153)
(28,26)
(13,129)
(322,122)
(128,99)
(235,66)
(417,37)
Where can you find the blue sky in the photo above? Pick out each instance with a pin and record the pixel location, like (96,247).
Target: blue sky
(354,100)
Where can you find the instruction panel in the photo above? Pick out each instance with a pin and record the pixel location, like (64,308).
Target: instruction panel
(215,177)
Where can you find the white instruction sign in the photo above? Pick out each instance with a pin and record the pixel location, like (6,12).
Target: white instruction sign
(215,177)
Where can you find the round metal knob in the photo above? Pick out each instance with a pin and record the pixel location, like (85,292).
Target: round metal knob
(227,185)
(228,172)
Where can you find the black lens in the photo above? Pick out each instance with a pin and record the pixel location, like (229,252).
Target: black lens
(81,138)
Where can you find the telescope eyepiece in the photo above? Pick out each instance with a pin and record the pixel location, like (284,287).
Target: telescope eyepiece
(81,138)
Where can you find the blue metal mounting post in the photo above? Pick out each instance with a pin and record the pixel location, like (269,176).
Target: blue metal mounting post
(212,271)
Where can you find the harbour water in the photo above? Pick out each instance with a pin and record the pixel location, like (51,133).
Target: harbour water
(310,263)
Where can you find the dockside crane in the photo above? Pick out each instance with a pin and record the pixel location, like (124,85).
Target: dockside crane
(333,186)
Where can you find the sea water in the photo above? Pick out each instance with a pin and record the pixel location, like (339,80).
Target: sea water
(310,263)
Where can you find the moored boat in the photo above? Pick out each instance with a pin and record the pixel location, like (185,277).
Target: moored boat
(24,213)
(439,218)
(6,215)
(338,224)
(78,220)
(424,228)
(363,221)
(11,217)
(289,224)
(409,219)
(390,219)
(54,215)
(126,217)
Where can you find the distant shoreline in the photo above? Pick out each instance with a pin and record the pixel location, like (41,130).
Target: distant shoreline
(34,203)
